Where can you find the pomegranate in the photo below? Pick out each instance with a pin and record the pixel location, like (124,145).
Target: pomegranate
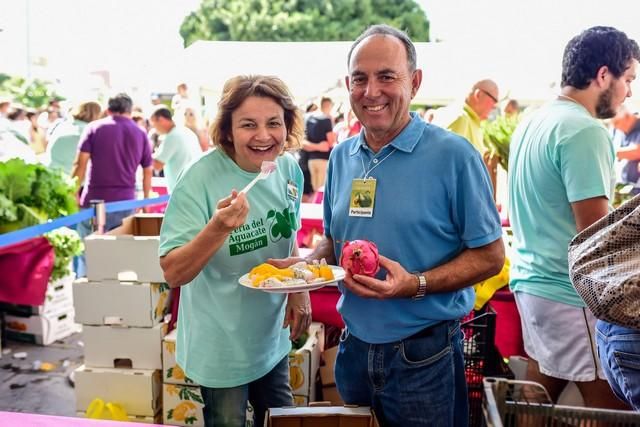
(360,257)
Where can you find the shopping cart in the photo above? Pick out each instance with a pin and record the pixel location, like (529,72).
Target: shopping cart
(481,358)
(523,403)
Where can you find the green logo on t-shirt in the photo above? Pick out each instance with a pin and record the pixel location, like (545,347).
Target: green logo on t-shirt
(281,224)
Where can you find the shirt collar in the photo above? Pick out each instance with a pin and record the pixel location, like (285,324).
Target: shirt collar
(405,141)
(472,114)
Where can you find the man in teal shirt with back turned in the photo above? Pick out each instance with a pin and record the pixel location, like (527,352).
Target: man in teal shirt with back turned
(561,179)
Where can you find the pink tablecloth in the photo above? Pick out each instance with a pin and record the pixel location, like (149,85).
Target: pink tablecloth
(33,420)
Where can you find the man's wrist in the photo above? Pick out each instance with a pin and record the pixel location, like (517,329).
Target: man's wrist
(421,290)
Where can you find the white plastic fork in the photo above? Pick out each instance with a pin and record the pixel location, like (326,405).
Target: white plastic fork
(266,168)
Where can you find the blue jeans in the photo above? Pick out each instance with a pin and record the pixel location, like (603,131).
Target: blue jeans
(619,352)
(418,381)
(226,407)
(112,220)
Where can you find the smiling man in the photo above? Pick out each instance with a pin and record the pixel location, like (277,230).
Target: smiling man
(561,178)
(432,216)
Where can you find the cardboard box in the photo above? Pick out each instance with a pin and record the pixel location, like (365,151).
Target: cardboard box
(330,394)
(318,416)
(327,376)
(42,330)
(182,405)
(129,252)
(300,400)
(120,303)
(134,418)
(140,224)
(137,390)
(58,298)
(171,372)
(304,363)
(126,257)
(118,347)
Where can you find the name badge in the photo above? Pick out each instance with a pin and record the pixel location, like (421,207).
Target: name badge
(363,197)
(292,191)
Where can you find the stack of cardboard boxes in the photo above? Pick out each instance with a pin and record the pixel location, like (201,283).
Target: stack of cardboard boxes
(182,400)
(122,304)
(46,323)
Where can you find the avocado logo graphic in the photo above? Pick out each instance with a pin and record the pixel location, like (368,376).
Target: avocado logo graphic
(362,199)
(280,224)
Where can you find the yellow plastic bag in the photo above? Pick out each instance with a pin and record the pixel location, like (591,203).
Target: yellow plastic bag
(486,289)
(99,410)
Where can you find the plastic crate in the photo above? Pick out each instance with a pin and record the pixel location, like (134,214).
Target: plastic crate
(481,358)
(509,403)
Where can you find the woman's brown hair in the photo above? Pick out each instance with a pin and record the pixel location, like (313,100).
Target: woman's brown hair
(239,88)
(87,111)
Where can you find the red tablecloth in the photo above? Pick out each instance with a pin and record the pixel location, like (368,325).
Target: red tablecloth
(25,268)
(323,306)
(508,328)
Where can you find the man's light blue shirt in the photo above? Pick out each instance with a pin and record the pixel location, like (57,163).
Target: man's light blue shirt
(433,200)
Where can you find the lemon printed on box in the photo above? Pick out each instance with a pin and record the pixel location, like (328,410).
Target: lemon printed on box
(161,305)
(296,377)
(172,390)
(170,346)
(184,411)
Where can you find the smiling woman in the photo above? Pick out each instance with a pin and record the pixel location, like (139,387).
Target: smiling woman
(212,234)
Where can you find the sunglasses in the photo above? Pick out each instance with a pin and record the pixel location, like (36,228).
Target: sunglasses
(489,95)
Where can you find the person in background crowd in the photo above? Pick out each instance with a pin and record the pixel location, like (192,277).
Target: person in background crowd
(139,119)
(401,351)
(319,140)
(465,120)
(180,100)
(303,158)
(209,238)
(63,145)
(193,121)
(560,182)
(626,138)
(36,136)
(116,147)
(511,108)
(19,123)
(178,148)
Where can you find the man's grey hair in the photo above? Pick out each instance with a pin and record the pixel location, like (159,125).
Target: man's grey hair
(387,30)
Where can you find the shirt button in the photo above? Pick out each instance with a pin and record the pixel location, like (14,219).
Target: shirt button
(375,161)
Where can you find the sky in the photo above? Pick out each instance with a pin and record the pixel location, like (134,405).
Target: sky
(138,40)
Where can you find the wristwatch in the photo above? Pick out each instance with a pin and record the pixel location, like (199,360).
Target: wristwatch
(422,285)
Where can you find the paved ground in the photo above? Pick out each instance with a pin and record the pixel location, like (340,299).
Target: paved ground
(26,388)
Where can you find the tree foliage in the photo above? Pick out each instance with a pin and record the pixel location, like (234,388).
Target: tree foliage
(35,93)
(300,20)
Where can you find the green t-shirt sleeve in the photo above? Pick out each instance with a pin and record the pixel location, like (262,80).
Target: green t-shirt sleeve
(165,150)
(185,216)
(586,164)
(298,180)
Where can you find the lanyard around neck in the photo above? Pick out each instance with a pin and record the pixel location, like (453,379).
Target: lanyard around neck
(367,172)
